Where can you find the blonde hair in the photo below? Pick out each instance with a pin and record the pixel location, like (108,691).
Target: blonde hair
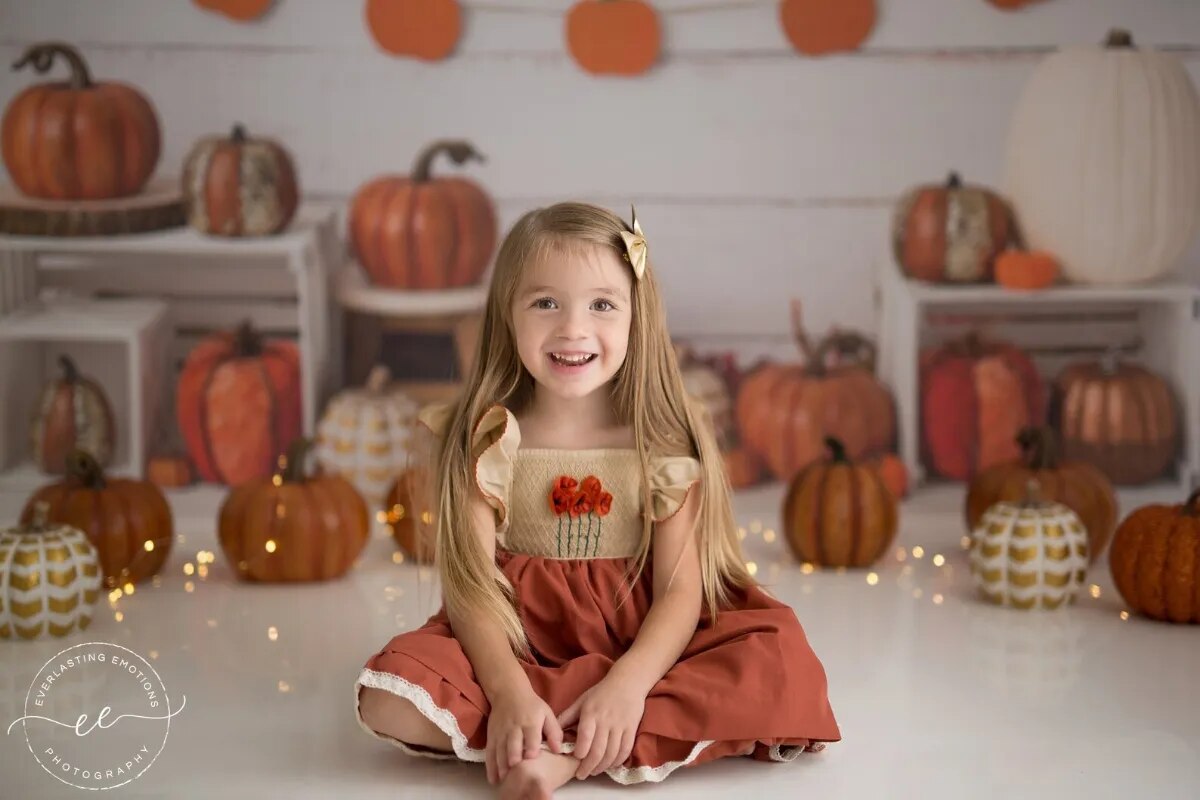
(647,394)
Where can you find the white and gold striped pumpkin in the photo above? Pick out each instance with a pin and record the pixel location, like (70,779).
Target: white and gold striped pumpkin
(1029,555)
(49,579)
(707,386)
(366,435)
(1103,165)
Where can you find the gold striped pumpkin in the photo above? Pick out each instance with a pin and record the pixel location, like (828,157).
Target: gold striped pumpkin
(1029,555)
(49,579)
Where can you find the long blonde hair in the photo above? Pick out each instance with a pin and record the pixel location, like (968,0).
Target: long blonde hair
(647,394)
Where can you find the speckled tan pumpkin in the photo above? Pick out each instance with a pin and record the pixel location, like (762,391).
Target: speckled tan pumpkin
(237,185)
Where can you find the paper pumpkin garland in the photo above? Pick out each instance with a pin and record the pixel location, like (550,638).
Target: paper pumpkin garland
(425,29)
(819,27)
(613,37)
(239,10)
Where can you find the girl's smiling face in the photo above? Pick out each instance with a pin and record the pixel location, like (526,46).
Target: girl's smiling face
(572,314)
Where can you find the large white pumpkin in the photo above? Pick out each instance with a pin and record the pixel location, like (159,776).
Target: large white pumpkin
(366,434)
(1103,166)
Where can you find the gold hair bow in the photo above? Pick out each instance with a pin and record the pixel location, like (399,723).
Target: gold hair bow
(635,247)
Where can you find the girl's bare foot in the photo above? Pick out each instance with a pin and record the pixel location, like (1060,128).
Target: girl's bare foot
(537,778)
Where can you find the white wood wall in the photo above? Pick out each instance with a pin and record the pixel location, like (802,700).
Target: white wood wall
(759,174)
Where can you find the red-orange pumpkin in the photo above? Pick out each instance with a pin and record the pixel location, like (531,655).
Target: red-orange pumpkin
(238,404)
(894,474)
(426,29)
(743,467)
(976,397)
(1155,560)
(424,232)
(169,472)
(613,37)
(784,412)
(292,526)
(838,513)
(1076,484)
(78,139)
(128,521)
(410,517)
(817,27)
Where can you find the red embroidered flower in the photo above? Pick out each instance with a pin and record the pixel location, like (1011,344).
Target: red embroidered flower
(562,493)
(604,504)
(592,488)
(581,503)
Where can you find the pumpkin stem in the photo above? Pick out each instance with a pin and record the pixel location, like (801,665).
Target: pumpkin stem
(84,467)
(41,517)
(805,344)
(1109,363)
(1118,37)
(837,450)
(459,151)
(69,370)
(378,378)
(238,135)
(41,56)
(293,463)
(954,180)
(1039,447)
(856,349)
(1191,507)
(1033,492)
(247,341)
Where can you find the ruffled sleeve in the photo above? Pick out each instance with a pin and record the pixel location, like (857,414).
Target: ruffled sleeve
(436,417)
(494,449)
(671,478)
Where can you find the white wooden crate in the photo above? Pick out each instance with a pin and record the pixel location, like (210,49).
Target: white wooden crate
(119,343)
(1158,325)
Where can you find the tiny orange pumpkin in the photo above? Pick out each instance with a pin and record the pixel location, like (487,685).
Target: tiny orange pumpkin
(1026,269)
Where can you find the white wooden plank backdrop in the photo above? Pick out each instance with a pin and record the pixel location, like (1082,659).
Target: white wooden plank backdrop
(758,173)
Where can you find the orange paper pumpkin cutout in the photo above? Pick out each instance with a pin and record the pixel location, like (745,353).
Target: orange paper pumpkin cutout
(1012,5)
(240,10)
(425,29)
(817,27)
(613,37)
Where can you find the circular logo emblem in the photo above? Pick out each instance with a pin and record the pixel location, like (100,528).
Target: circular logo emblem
(97,715)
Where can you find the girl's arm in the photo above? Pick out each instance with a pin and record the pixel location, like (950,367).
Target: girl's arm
(675,612)
(496,668)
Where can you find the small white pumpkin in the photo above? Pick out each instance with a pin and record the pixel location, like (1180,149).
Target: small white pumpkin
(366,435)
(1103,164)
(1029,555)
(49,579)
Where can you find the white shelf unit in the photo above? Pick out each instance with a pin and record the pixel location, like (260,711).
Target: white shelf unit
(127,338)
(282,283)
(1158,325)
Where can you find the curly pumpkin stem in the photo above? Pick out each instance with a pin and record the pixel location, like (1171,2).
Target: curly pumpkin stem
(802,341)
(837,450)
(238,135)
(1118,37)
(69,370)
(1191,507)
(83,467)
(297,453)
(1039,447)
(247,341)
(858,350)
(460,152)
(954,180)
(41,57)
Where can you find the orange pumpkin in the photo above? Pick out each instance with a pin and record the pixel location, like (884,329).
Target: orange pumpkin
(743,467)
(1026,269)
(784,412)
(950,233)
(426,29)
(894,474)
(238,404)
(839,514)
(1155,560)
(1118,416)
(1077,485)
(128,521)
(292,526)
(817,27)
(408,514)
(976,397)
(78,140)
(169,472)
(613,37)
(424,232)
(239,186)
(240,10)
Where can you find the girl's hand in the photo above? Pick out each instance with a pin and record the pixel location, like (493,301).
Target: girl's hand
(515,726)
(608,716)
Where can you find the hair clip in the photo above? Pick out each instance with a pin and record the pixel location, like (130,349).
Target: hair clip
(635,247)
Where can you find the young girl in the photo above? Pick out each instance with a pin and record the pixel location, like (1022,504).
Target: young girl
(597,613)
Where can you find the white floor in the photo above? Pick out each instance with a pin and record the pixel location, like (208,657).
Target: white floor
(937,694)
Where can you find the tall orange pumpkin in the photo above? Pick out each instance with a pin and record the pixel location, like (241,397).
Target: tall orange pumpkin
(238,404)
(1076,484)
(976,397)
(293,526)
(613,37)
(79,139)
(838,513)
(422,232)
(784,412)
(1119,416)
(127,520)
(1155,560)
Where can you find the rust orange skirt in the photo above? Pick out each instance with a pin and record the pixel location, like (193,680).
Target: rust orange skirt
(748,686)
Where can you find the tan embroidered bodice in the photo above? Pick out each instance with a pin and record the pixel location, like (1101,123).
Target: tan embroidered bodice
(577,521)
